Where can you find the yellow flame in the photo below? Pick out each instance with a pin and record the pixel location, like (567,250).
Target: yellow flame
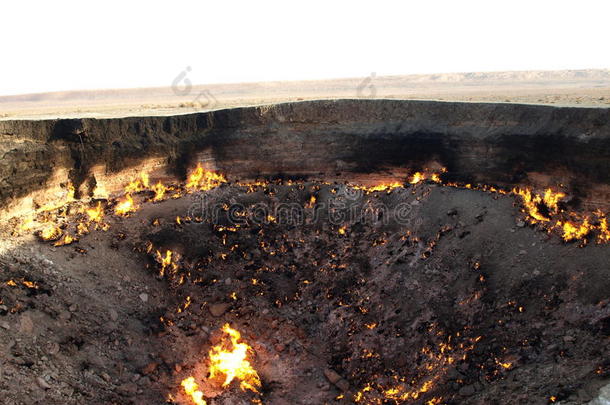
(159,190)
(417,177)
(573,231)
(167,262)
(191,388)
(229,359)
(125,205)
(138,185)
(95,214)
(51,233)
(65,240)
(202,179)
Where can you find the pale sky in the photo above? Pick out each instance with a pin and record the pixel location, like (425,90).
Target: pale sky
(70,45)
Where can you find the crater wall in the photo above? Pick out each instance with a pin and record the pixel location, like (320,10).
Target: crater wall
(369,140)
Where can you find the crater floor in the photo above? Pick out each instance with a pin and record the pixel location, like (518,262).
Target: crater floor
(422,294)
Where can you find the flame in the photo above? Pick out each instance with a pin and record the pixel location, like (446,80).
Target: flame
(27,224)
(138,185)
(159,190)
(229,359)
(95,214)
(384,187)
(65,240)
(167,262)
(202,179)
(417,177)
(191,388)
(52,232)
(534,202)
(604,231)
(437,360)
(312,202)
(125,206)
(573,231)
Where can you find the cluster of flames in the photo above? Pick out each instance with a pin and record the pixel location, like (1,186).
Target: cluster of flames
(544,209)
(413,179)
(434,365)
(228,361)
(540,208)
(52,220)
(198,180)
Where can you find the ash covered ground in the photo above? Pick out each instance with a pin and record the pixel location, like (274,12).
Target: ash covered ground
(425,294)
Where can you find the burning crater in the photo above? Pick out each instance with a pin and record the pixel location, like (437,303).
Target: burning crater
(367,282)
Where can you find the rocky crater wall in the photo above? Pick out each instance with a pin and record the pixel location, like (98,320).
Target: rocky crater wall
(369,140)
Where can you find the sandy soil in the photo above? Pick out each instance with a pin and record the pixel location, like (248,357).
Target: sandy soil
(562,88)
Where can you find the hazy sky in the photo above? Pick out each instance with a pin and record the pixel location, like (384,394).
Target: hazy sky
(67,45)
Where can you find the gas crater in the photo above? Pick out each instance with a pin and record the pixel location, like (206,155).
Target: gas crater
(353,251)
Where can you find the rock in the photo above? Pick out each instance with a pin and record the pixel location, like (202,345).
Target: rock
(454,374)
(26,325)
(218,310)
(128,389)
(520,224)
(5,325)
(52,348)
(113,315)
(332,375)
(65,315)
(73,308)
(336,379)
(144,297)
(343,385)
(42,383)
(467,390)
(603,398)
(150,368)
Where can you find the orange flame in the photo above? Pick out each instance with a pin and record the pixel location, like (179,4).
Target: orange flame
(534,202)
(229,359)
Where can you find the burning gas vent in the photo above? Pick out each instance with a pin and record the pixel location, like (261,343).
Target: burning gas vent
(361,278)
(406,292)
